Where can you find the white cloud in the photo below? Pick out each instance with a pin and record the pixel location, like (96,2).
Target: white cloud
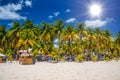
(10,15)
(68,10)
(11,7)
(56,13)
(9,12)
(70,20)
(95,23)
(50,17)
(28,3)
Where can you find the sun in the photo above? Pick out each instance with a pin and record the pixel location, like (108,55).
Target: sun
(95,10)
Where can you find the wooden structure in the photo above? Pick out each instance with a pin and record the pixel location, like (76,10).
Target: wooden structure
(26,58)
(2,58)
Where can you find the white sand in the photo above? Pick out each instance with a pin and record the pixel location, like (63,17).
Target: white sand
(61,71)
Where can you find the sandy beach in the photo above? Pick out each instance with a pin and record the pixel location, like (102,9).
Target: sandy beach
(61,71)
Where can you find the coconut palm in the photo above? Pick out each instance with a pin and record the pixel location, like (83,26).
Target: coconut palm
(117,44)
(89,39)
(80,30)
(29,34)
(47,33)
(14,35)
(3,38)
(99,40)
(58,26)
(69,35)
(72,40)
(118,38)
(39,48)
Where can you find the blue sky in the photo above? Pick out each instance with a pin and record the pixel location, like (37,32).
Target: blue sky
(70,11)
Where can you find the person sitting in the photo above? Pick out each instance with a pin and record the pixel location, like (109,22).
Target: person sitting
(4,58)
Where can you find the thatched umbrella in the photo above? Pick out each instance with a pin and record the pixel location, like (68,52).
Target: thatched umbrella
(25,54)
(26,58)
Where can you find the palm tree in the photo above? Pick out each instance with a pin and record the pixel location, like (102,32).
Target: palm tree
(48,36)
(58,26)
(118,38)
(47,33)
(117,44)
(3,40)
(81,35)
(39,48)
(80,30)
(14,35)
(69,35)
(29,34)
(100,40)
(89,39)
(70,39)
(107,34)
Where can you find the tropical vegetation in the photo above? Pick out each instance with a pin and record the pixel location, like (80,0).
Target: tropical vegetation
(73,42)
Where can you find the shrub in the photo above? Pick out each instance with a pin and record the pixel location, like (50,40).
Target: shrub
(107,59)
(62,58)
(80,57)
(115,58)
(94,58)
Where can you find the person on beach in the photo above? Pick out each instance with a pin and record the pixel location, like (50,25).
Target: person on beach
(4,58)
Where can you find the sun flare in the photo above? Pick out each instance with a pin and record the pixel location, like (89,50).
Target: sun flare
(95,10)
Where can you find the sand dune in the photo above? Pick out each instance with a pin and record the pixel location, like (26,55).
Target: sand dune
(61,71)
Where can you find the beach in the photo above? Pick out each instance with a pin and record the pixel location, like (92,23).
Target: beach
(61,71)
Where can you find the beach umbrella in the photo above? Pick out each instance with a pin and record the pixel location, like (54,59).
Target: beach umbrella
(25,54)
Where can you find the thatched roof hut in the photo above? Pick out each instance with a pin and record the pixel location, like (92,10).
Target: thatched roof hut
(26,58)
(25,54)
